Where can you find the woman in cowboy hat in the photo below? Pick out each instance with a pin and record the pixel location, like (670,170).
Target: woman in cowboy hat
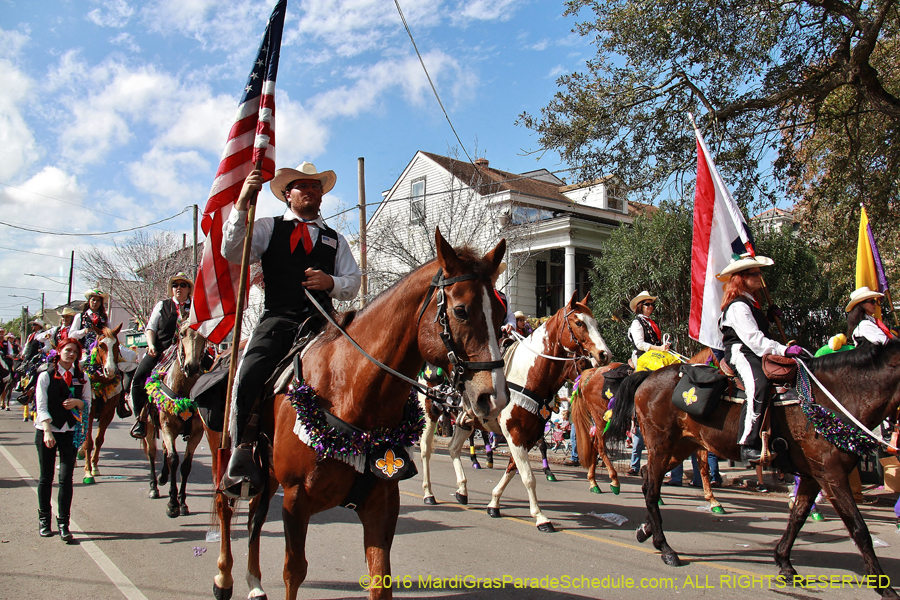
(863,327)
(92,318)
(644,333)
(296,246)
(160,333)
(745,332)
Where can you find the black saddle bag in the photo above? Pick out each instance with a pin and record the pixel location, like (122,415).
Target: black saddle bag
(699,389)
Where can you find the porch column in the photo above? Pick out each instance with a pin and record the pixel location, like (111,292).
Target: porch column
(569,287)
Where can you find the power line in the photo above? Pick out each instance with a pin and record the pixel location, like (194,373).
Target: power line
(45,232)
(37,253)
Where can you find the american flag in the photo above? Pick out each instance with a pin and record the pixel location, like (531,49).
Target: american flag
(252,137)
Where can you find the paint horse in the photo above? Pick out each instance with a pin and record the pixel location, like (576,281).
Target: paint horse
(445,313)
(822,447)
(534,373)
(173,413)
(102,368)
(591,397)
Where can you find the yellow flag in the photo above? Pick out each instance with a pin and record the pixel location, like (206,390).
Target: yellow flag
(866,275)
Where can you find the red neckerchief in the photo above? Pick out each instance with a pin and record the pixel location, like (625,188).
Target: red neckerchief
(654,326)
(884,328)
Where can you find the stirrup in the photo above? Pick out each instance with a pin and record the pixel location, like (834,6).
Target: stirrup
(243,476)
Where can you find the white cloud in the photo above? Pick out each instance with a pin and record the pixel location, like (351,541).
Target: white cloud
(112,13)
(170,175)
(125,40)
(216,25)
(18,148)
(557,71)
(485,10)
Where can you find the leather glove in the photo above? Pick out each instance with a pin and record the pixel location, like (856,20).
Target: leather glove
(794,351)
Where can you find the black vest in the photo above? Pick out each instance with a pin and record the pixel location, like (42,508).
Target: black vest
(649,336)
(57,393)
(168,323)
(284,271)
(730,336)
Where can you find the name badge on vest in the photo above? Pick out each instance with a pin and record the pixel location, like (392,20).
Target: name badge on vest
(329,241)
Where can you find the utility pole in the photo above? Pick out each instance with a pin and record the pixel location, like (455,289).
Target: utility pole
(362,230)
(196,261)
(42,305)
(71,271)
(24,320)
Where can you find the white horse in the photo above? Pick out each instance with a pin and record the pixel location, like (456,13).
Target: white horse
(535,371)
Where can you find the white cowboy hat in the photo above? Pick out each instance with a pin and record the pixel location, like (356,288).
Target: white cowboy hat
(519,314)
(68,312)
(645,295)
(861,294)
(10,335)
(306,170)
(742,263)
(180,276)
(38,322)
(97,292)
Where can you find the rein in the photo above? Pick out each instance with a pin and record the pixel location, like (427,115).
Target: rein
(575,356)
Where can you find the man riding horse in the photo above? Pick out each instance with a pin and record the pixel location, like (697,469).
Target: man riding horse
(296,247)
(160,333)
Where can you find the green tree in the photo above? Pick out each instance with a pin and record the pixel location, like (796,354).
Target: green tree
(767,75)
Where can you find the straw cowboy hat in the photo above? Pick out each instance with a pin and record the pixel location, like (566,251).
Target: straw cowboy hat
(519,314)
(742,263)
(306,170)
(645,295)
(97,292)
(180,276)
(38,322)
(68,312)
(861,294)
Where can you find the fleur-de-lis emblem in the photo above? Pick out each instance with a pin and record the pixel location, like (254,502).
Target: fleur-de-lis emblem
(389,464)
(689,397)
(544,412)
(428,371)
(187,414)
(608,393)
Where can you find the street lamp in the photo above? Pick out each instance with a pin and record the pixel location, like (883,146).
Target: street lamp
(46,277)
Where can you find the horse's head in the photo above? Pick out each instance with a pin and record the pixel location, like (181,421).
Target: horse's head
(108,351)
(583,337)
(192,347)
(461,333)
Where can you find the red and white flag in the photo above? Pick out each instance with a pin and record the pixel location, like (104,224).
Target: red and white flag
(720,231)
(251,139)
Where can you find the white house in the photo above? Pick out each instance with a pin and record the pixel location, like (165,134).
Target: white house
(552,229)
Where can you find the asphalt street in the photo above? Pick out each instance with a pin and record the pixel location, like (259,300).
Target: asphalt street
(126,546)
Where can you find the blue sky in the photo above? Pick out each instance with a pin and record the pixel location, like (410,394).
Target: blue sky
(113,113)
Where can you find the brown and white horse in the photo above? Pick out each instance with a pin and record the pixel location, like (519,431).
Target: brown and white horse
(401,328)
(534,371)
(106,387)
(175,378)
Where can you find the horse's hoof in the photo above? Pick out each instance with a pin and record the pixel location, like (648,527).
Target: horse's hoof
(430,501)
(816,516)
(490,464)
(222,593)
(154,494)
(787,574)
(185,511)
(595,489)
(718,510)
(172,511)
(80,454)
(547,527)
(551,477)
(642,534)
(672,560)
(464,500)
(661,503)
(615,489)
(493,513)
(88,480)
(475,465)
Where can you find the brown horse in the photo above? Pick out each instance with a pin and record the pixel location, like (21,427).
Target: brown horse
(169,391)
(106,385)
(445,311)
(866,381)
(591,403)
(534,373)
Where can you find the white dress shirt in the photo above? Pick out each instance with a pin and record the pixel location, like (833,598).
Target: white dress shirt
(869,330)
(41,399)
(347,276)
(77,330)
(740,318)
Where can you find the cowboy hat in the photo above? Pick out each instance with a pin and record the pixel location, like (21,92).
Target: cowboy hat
(10,335)
(519,314)
(96,292)
(742,263)
(306,170)
(38,322)
(645,295)
(68,312)
(861,294)
(180,276)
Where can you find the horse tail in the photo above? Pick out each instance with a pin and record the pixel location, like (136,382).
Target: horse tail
(262,509)
(580,418)
(623,408)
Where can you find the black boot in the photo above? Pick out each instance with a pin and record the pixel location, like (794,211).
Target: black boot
(138,432)
(123,409)
(44,520)
(243,477)
(750,455)
(64,533)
